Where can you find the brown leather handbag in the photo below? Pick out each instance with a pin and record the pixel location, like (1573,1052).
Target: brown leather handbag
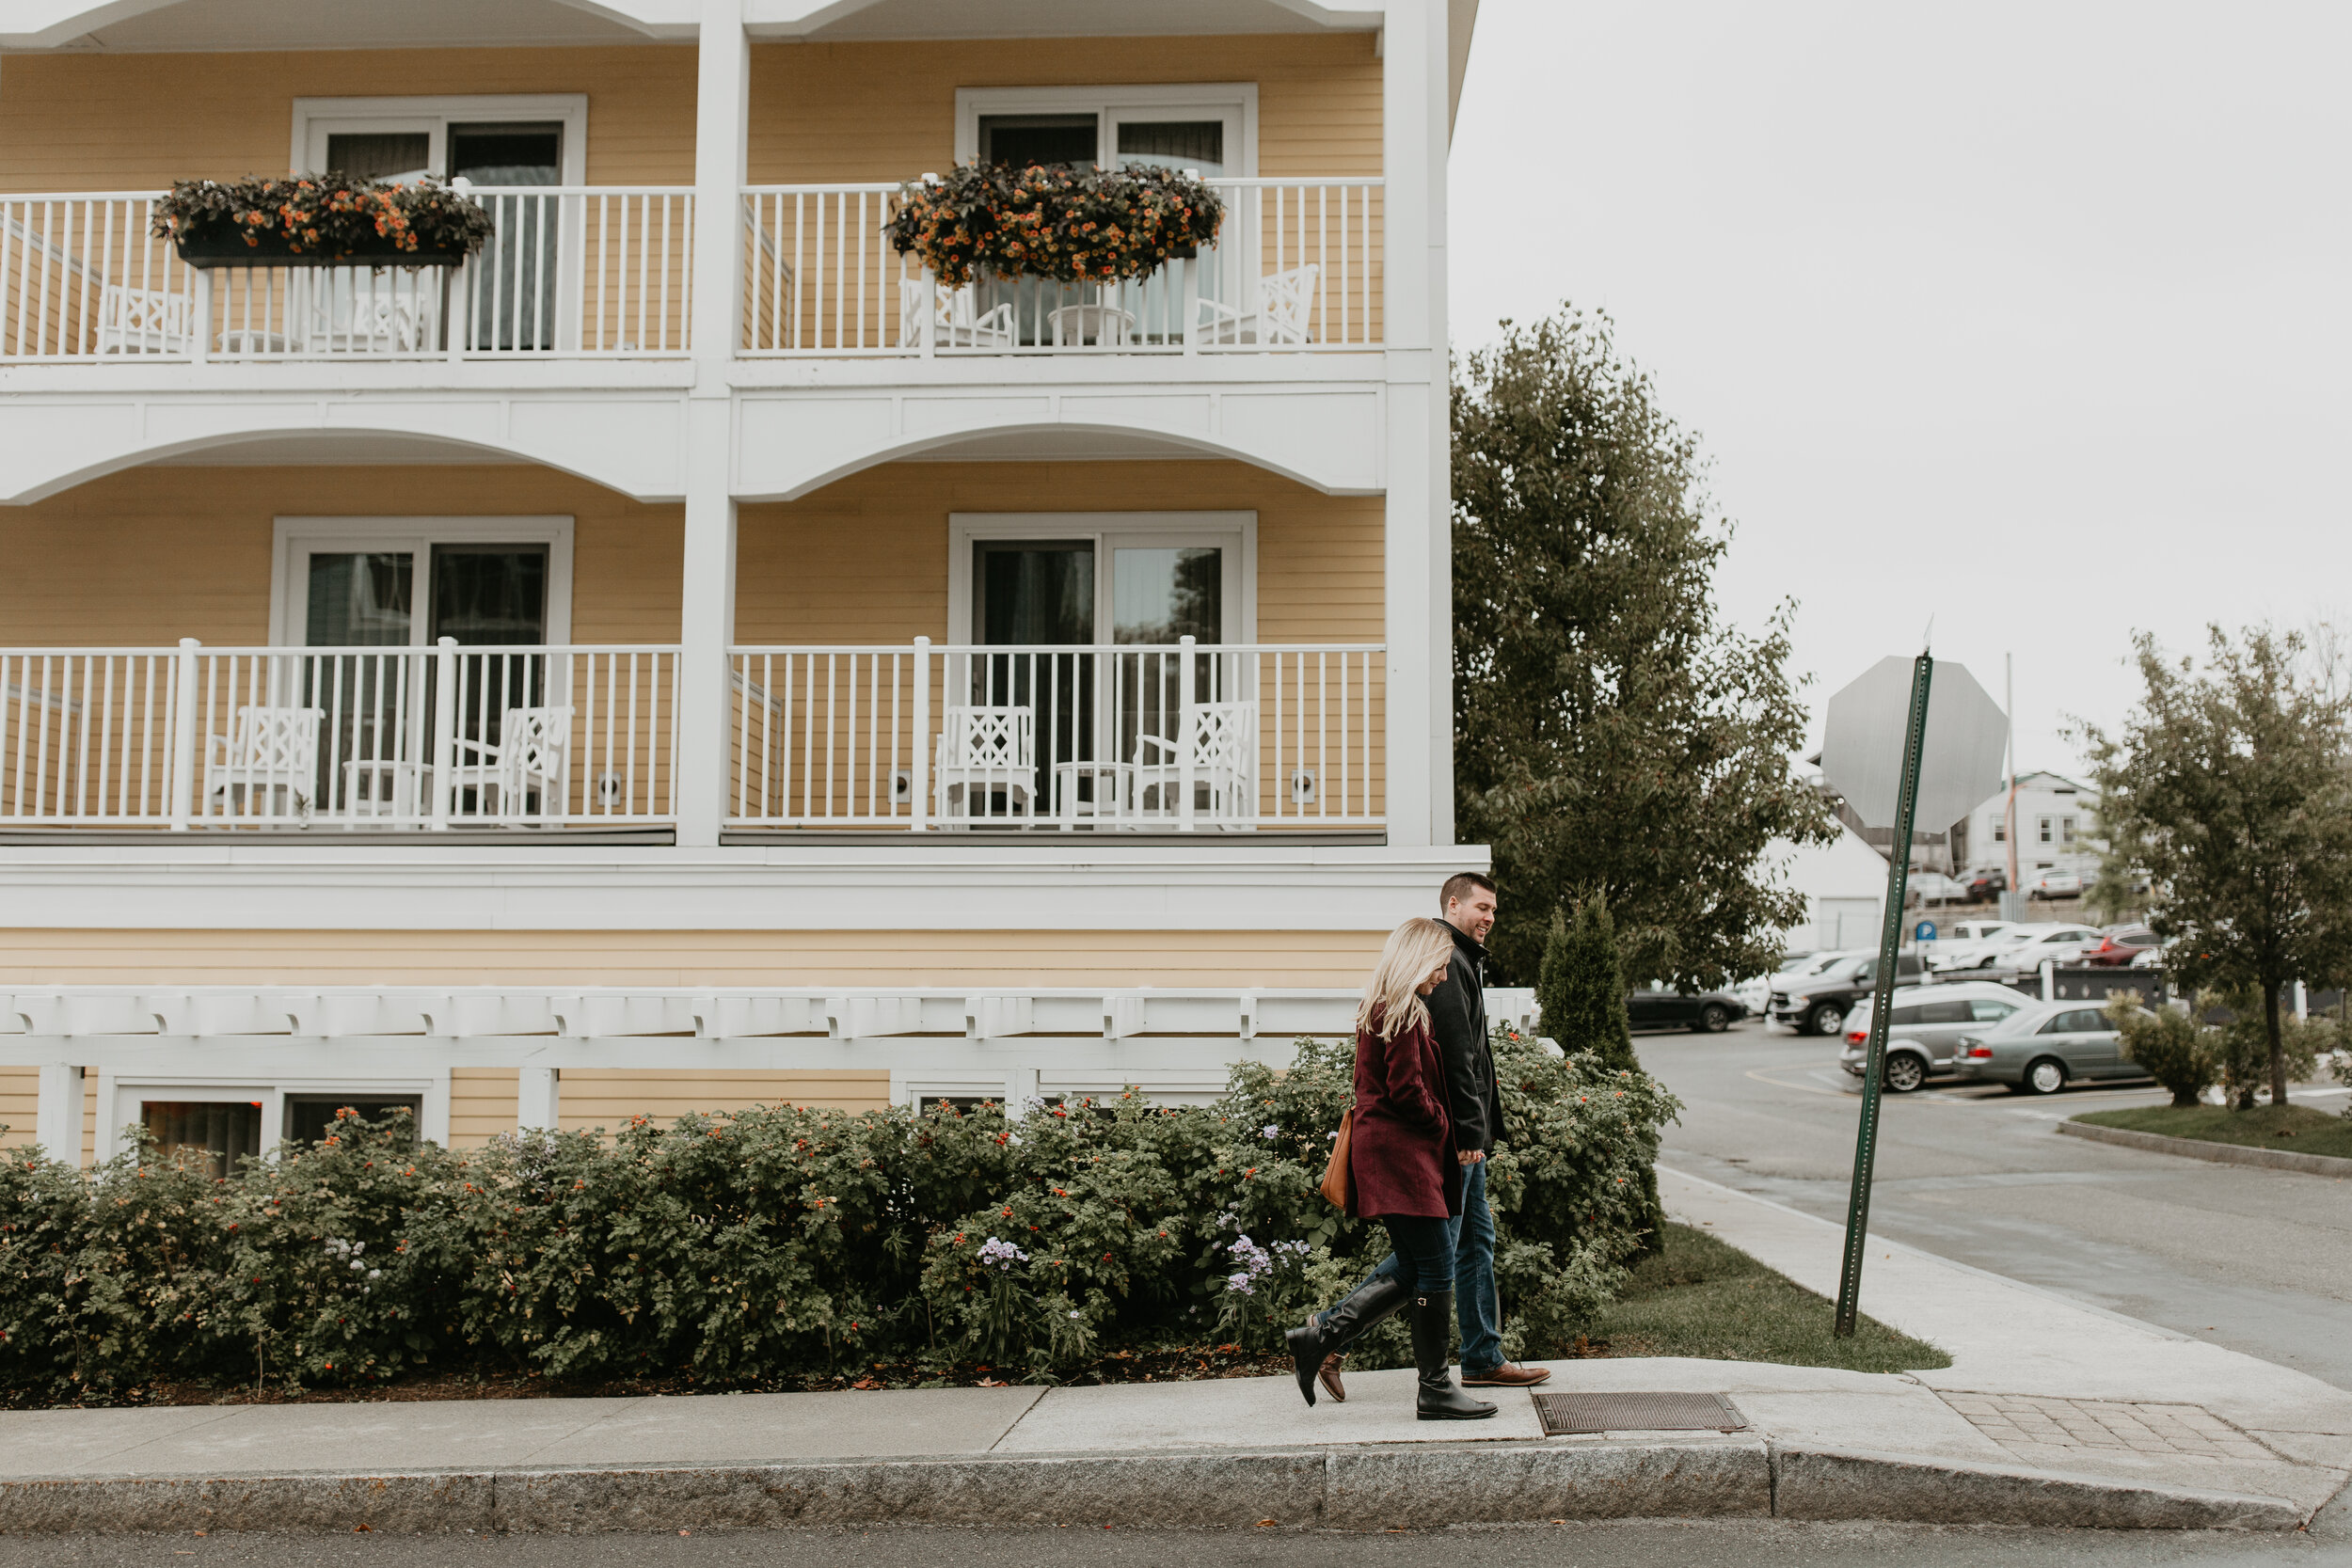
(1335,1174)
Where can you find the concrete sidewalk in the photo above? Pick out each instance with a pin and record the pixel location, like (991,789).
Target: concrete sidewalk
(2052,1414)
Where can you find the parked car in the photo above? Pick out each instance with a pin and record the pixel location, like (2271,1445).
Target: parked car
(2058,883)
(1982,886)
(2042,1047)
(1931,887)
(1660,1007)
(2031,946)
(1969,943)
(1924,1030)
(2120,944)
(1817,1004)
(2150,958)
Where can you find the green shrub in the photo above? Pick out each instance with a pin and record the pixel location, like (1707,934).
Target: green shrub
(2178,1054)
(779,1244)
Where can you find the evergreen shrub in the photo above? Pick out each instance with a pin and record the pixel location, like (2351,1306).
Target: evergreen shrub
(780,1244)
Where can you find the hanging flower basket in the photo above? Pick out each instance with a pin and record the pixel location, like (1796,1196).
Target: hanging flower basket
(320,221)
(1057,221)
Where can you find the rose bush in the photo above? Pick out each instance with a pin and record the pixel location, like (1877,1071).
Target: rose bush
(778,1244)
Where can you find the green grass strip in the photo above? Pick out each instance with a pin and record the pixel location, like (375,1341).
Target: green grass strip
(1704,1297)
(2297,1129)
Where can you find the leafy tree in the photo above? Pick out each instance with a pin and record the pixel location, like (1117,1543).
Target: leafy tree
(1610,731)
(2230,786)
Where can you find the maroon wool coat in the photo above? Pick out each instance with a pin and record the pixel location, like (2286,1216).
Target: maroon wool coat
(1400,1146)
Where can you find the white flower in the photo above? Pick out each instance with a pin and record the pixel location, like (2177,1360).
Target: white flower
(1272,1130)
(376,1273)
(1076,1315)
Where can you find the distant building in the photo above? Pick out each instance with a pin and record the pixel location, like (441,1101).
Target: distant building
(2057,823)
(1845,889)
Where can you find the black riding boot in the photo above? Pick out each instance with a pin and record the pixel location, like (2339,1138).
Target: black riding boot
(1343,1325)
(1438,1399)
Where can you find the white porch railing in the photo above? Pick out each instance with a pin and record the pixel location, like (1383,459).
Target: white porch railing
(1173,737)
(439,737)
(1296,269)
(569,272)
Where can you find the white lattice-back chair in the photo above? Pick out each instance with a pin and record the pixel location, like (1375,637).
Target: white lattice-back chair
(145,321)
(367,312)
(956,321)
(533,757)
(267,765)
(1277,312)
(982,750)
(1217,742)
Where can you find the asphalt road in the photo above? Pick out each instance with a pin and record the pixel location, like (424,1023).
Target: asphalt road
(1648,1543)
(2259,1260)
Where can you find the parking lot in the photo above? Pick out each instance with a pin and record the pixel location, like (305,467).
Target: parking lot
(2257,1259)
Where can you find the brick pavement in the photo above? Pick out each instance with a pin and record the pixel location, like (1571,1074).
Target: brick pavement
(2021,1421)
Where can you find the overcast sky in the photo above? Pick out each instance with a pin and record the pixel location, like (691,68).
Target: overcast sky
(2030,317)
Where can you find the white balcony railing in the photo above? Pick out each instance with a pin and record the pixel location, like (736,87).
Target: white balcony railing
(1296,269)
(439,737)
(1171,737)
(569,272)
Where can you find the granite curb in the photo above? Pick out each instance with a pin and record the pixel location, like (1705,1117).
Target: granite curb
(2199,1148)
(1365,1487)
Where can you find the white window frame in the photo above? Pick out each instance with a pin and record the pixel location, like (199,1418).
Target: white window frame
(1235,530)
(1108,100)
(121,1095)
(315,118)
(297,538)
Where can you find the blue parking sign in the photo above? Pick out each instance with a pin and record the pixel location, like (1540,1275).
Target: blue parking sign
(1924,931)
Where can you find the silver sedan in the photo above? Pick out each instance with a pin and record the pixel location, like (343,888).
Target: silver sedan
(2042,1047)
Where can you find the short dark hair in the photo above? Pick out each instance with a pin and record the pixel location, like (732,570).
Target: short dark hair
(1459,886)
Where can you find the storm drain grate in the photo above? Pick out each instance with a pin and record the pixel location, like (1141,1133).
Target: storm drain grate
(1565,1413)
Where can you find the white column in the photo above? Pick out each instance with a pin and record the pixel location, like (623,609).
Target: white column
(538,1099)
(1418,561)
(708,601)
(57,1118)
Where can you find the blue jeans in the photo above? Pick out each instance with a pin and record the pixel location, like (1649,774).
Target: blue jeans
(1470,1240)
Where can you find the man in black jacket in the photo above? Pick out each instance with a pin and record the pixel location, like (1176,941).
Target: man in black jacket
(1457,1015)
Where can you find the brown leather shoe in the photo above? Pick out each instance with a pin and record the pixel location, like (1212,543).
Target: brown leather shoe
(1506,1376)
(1330,1378)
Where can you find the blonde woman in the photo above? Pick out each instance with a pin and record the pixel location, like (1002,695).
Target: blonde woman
(1401,1171)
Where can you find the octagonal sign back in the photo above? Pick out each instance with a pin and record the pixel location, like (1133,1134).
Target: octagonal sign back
(1959,763)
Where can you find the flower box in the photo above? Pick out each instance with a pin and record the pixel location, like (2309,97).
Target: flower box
(1061,222)
(315,221)
(222,245)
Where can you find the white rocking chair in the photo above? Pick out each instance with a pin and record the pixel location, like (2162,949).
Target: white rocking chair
(1278,314)
(982,750)
(266,767)
(145,321)
(1218,743)
(533,757)
(955,319)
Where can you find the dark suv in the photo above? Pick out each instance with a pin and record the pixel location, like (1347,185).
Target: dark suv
(1818,1003)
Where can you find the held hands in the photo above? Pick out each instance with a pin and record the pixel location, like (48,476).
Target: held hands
(1470,1156)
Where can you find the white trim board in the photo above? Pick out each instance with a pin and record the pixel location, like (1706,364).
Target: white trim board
(432,113)
(1108,529)
(293,538)
(1239,99)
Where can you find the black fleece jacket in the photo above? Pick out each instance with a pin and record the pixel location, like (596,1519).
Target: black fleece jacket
(1457,1016)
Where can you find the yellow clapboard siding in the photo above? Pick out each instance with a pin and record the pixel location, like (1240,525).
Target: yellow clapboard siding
(680,959)
(482,1104)
(88,122)
(864,560)
(20,1104)
(607,1098)
(148,556)
(886,110)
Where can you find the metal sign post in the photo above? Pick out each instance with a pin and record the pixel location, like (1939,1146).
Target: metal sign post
(1882,1000)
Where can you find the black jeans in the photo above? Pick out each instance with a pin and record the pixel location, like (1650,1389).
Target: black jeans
(1424,1249)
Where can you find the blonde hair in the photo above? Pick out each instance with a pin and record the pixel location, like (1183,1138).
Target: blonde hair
(1390,1004)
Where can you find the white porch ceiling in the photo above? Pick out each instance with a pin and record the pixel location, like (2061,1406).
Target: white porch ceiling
(981,19)
(195,26)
